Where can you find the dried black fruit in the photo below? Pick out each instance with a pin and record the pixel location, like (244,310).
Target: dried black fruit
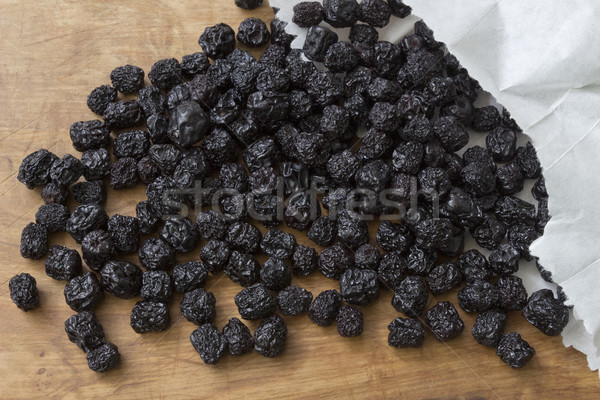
(374,12)
(148,218)
(35,168)
(318,40)
(156,286)
(546,312)
(104,358)
(444,321)
(165,74)
(238,337)
(194,64)
(504,260)
(367,256)
(85,331)
(180,233)
(88,135)
(440,234)
(444,277)
(276,274)
(217,41)
(156,253)
(62,264)
(349,321)
(89,192)
(215,254)
(293,300)
(419,261)
(485,118)
(95,164)
(478,296)
(359,286)
(123,174)
(410,296)
(514,351)
(198,306)
(121,278)
(528,161)
(340,13)
(100,97)
(406,332)
(474,266)
(489,327)
(128,78)
(120,115)
(83,292)
(23,291)
(150,316)
(34,241)
(209,343)
(242,268)
(248,4)
(502,144)
(55,193)
(124,232)
(270,336)
(334,260)
(305,260)
(307,14)
(277,243)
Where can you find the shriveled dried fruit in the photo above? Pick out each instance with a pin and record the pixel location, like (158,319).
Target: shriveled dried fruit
(489,327)
(85,331)
(34,241)
(410,296)
(325,307)
(121,278)
(209,343)
(198,306)
(150,316)
(294,300)
(514,351)
(546,312)
(270,337)
(349,321)
(238,336)
(406,332)
(83,292)
(444,321)
(104,358)
(63,263)
(23,291)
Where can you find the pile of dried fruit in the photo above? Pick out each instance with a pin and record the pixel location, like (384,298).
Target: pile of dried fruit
(296,129)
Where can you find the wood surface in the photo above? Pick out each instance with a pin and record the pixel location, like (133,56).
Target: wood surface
(52,54)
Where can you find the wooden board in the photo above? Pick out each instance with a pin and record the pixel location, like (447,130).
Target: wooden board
(52,54)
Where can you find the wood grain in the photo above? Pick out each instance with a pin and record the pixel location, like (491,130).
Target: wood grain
(52,54)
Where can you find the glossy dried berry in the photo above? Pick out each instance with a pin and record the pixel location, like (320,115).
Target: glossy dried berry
(84,219)
(53,217)
(399,9)
(512,210)
(83,292)
(351,229)
(359,286)
(293,300)
(157,286)
(104,358)
(66,171)
(148,218)
(55,193)
(444,321)
(244,237)
(270,337)
(478,296)
(122,114)
(485,118)
(95,164)
(546,312)
(318,40)
(360,33)
(198,306)
(238,337)
(474,266)
(181,234)
(155,253)
(408,157)
(217,41)
(215,255)
(504,261)
(307,14)
(62,264)
(100,97)
(34,241)
(89,135)
(242,268)
(528,161)
(440,234)
(122,279)
(304,260)
(489,327)
(85,331)
(89,192)
(406,333)
(209,343)
(323,231)
(277,243)
(128,78)
(514,351)
(334,260)
(253,32)
(150,316)
(341,57)
(23,291)
(391,269)
(394,237)
(340,13)
(123,174)
(194,64)
(444,277)
(410,296)
(124,232)
(248,4)
(349,321)
(502,144)
(275,274)
(165,73)
(255,302)
(419,261)
(151,101)
(489,233)
(374,12)
(325,307)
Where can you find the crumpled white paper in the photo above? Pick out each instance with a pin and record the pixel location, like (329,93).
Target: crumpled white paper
(541,60)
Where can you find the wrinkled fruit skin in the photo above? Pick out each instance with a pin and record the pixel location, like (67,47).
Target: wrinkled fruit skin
(514,351)
(23,291)
(444,321)
(209,343)
(546,313)
(270,337)
(406,332)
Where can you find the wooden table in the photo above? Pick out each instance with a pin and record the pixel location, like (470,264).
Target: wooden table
(52,55)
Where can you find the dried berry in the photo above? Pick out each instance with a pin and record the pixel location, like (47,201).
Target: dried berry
(156,253)
(248,4)
(307,14)
(165,74)
(121,278)
(95,164)
(181,234)
(89,192)
(474,266)
(293,300)
(123,174)
(198,306)
(23,291)
(55,193)
(121,114)
(440,234)
(334,260)
(360,33)
(215,254)
(104,358)
(374,12)
(124,232)
(444,321)
(489,327)
(156,286)
(410,296)
(270,336)
(546,312)
(244,237)
(148,218)
(85,331)
(359,286)
(242,268)
(152,102)
(349,321)
(514,351)
(502,144)
(209,343)
(305,260)
(100,97)
(53,217)
(318,40)
(34,241)
(150,316)
(127,79)
(62,264)
(83,292)
(89,135)
(217,41)
(238,337)
(485,118)
(406,332)
(478,296)
(194,64)
(277,243)
(504,260)
(66,171)
(419,261)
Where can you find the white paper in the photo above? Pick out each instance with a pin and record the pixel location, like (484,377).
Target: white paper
(541,60)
